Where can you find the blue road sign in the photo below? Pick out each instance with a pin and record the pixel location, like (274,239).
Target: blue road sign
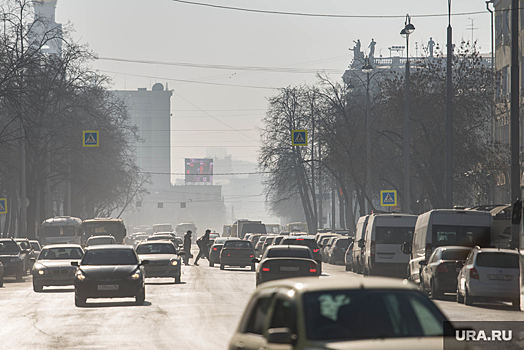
(388,198)
(3,205)
(90,138)
(299,137)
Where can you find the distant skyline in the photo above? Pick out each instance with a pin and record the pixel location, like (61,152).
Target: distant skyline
(168,31)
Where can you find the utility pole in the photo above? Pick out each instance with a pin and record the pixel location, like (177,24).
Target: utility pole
(449,117)
(333,194)
(514,109)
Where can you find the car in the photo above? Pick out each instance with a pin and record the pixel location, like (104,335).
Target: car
(177,241)
(259,246)
(164,260)
(445,227)
(254,238)
(490,274)
(53,266)
(12,258)
(343,312)
(277,240)
(439,274)
(26,253)
(358,251)
(285,261)
(267,242)
(308,241)
(216,248)
(37,248)
(100,240)
(383,241)
(109,271)
(348,257)
(325,246)
(237,253)
(338,249)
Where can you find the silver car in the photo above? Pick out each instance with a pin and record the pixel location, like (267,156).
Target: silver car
(489,274)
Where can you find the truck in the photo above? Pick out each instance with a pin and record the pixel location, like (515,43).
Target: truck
(104,227)
(241,227)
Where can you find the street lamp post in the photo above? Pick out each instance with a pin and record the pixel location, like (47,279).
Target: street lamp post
(449,117)
(368,68)
(408,29)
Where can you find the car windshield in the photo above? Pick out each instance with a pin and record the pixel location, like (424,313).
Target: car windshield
(8,247)
(468,236)
(110,257)
(370,314)
(220,240)
(25,244)
(61,254)
(289,253)
(237,244)
(455,254)
(498,260)
(393,235)
(155,249)
(310,243)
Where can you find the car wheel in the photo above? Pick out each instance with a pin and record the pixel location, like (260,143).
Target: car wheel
(37,287)
(177,279)
(19,275)
(460,297)
(79,302)
(252,267)
(435,293)
(468,299)
(221,266)
(141,297)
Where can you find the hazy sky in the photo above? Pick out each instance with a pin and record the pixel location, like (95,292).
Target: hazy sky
(169,31)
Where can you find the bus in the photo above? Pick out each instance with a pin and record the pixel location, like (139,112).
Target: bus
(104,227)
(182,228)
(273,228)
(241,227)
(61,229)
(162,228)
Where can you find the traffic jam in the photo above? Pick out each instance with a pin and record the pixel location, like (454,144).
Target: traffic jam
(390,272)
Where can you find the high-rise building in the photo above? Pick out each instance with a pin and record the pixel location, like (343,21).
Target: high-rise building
(48,32)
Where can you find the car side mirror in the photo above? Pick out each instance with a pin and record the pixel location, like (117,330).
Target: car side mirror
(181,253)
(516,212)
(406,248)
(361,243)
(281,336)
(144,262)
(33,259)
(423,263)
(74,263)
(254,261)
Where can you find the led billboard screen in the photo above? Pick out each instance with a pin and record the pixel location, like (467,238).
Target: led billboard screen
(199,170)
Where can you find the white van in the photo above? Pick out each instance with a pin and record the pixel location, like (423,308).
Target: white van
(357,250)
(443,227)
(385,234)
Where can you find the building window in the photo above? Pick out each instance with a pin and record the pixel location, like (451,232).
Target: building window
(498,29)
(506,27)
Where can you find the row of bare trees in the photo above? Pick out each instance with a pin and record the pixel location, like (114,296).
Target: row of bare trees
(46,101)
(336,121)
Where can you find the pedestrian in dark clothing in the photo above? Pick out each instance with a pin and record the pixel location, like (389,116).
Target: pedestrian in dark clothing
(187,247)
(203,246)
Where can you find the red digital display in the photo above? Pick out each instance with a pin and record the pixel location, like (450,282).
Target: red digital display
(199,170)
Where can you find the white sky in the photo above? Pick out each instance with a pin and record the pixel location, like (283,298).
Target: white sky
(168,31)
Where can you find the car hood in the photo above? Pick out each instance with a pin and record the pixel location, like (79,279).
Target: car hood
(158,257)
(53,263)
(108,271)
(427,343)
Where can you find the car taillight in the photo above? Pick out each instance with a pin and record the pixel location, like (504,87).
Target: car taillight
(265,266)
(229,255)
(251,256)
(428,251)
(442,268)
(313,267)
(316,250)
(214,249)
(473,273)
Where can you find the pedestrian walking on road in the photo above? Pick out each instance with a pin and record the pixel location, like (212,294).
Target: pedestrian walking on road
(187,247)
(203,246)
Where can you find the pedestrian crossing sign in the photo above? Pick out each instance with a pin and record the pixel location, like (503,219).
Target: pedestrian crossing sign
(299,137)
(90,138)
(388,198)
(3,205)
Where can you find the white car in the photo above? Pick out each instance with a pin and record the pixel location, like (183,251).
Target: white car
(489,274)
(346,312)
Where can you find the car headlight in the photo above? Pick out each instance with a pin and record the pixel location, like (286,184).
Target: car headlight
(135,275)
(41,272)
(174,262)
(80,276)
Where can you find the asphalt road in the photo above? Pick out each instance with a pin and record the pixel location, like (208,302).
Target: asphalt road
(200,313)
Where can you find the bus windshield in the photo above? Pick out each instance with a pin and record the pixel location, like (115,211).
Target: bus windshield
(60,231)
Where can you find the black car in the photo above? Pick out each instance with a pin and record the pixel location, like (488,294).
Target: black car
(237,253)
(13,258)
(286,261)
(53,266)
(109,271)
(216,248)
(439,274)
(308,241)
(164,260)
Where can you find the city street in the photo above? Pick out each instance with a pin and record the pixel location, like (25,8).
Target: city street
(200,313)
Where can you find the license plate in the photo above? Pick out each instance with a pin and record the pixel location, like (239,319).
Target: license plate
(61,277)
(500,277)
(108,287)
(289,268)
